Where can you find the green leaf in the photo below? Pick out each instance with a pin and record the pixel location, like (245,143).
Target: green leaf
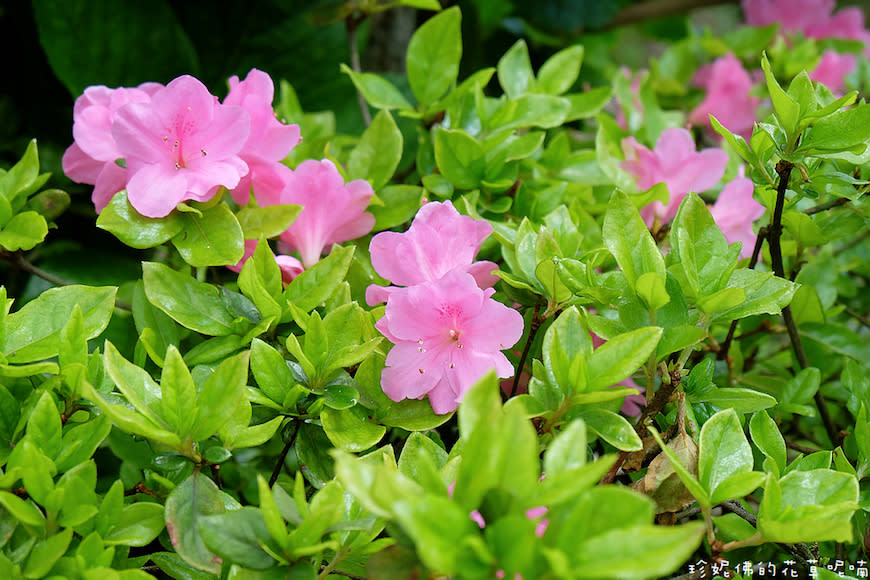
(613,428)
(844,129)
(191,303)
(44,426)
(80,442)
(567,451)
(764,294)
(73,347)
(588,103)
(46,553)
(23,232)
(655,551)
(378,91)
(238,536)
(212,239)
(177,392)
(350,429)
(766,436)
(25,511)
(723,450)
(313,286)
(378,152)
(138,525)
(193,499)
(133,421)
(267,222)
(401,203)
(803,228)
(561,70)
(134,229)
(433,56)
(619,357)
(629,240)
(699,247)
(786,109)
(737,486)
(33,333)
(93,42)
(260,280)
(808,506)
(23,178)
(514,71)
(460,158)
(532,110)
(270,370)
(218,397)
(437,525)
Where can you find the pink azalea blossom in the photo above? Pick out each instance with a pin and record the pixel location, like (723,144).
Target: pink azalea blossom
(674,162)
(91,158)
(477,518)
(182,145)
(832,70)
(734,212)
(439,240)
(447,334)
(333,211)
(290,267)
(728,99)
(269,142)
(535,513)
(811,18)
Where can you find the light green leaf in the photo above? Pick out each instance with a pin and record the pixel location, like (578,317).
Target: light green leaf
(561,70)
(193,304)
(378,152)
(433,56)
(613,428)
(350,429)
(212,239)
(313,286)
(619,357)
(514,71)
(134,229)
(378,91)
(267,222)
(33,333)
(219,396)
(23,232)
(723,450)
(138,525)
(766,436)
(459,157)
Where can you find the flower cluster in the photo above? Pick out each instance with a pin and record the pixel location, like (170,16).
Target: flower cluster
(674,162)
(168,144)
(728,97)
(446,329)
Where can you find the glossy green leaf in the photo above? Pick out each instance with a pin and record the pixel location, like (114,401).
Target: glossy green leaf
(378,91)
(134,229)
(33,333)
(401,203)
(567,451)
(514,71)
(268,222)
(786,109)
(766,436)
(460,158)
(619,357)
(613,428)
(561,70)
(196,497)
(433,56)
(629,240)
(842,130)
(379,150)
(23,232)
(350,429)
(138,525)
(238,536)
(219,395)
(212,239)
(44,426)
(196,305)
(46,553)
(723,450)
(764,294)
(313,286)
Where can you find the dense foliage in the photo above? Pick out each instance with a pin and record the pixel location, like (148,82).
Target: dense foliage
(525,323)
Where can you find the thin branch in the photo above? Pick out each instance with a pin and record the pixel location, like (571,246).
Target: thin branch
(800,550)
(862,319)
(826,206)
(656,9)
(351,23)
(783,170)
(533,330)
(280,465)
(21,262)
(753,261)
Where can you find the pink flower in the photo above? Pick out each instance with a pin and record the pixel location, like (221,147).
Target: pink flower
(290,267)
(535,513)
(728,99)
(832,70)
(477,518)
(91,158)
(811,18)
(182,145)
(447,334)
(439,240)
(269,142)
(333,212)
(734,212)
(675,162)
